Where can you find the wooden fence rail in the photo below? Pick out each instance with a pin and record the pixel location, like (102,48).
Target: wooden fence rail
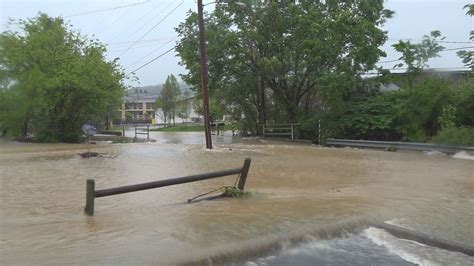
(91,193)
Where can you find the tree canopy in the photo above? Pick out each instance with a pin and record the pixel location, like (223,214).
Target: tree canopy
(283,60)
(167,101)
(54,80)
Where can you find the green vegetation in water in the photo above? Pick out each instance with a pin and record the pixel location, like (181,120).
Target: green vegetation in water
(234,192)
(391,148)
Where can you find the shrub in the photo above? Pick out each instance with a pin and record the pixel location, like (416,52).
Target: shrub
(455,136)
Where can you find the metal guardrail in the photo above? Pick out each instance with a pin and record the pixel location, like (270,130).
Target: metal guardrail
(399,145)
(91,193)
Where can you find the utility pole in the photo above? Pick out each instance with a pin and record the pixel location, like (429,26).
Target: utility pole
(205,94)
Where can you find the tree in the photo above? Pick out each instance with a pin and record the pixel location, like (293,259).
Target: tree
(59,80)
(416,55)
(284,60)
(468,56)
(168,98)
(184,107)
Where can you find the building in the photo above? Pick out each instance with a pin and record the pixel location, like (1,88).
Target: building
(137,106)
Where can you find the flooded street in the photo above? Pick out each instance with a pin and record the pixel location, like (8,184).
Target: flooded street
(295,188)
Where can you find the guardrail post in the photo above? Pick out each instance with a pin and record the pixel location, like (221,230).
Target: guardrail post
(243,175)
(90,197)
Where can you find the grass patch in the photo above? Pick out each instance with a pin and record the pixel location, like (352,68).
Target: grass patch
(234,192)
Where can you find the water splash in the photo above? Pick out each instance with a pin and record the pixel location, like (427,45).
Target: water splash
(463,155)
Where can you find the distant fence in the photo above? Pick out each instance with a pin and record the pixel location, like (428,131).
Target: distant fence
(279,130)
(398,145)
(91,193)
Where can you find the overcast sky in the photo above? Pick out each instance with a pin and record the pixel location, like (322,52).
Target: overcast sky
(118,27)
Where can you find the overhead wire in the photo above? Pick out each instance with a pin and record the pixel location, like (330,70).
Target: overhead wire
(144,41)
(152,28)
(151,52)
(439,41)
(151,19)
(444,50)
(105,9)
(151,61)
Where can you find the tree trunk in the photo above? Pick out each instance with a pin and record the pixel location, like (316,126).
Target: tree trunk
(24,130)
(263,107)
(107,126)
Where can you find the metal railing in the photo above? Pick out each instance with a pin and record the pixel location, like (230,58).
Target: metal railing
(399,145)
(91,193)
(279,130)
(139,131)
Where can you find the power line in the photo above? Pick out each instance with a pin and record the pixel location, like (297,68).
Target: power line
(151,61)
(404,68)
(445,50)
(144,41)
(105,9)
(154,50)
(152,18)
(152,28)
(439,41)
(459,48)
(143,46)
(389,61)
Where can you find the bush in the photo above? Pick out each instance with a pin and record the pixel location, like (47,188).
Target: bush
(373,117)
(455,136)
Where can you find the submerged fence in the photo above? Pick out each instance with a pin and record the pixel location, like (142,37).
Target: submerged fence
(91,193)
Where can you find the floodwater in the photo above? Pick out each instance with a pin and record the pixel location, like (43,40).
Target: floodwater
(295,188)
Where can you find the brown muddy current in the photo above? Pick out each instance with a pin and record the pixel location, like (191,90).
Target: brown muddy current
(294,187)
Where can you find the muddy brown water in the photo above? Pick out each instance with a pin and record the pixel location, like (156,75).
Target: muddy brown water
(294,187)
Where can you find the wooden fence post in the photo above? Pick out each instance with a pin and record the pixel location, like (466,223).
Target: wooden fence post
(292,135)
(243,175)
(90,197)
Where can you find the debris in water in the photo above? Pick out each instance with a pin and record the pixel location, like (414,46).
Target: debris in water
(89,154)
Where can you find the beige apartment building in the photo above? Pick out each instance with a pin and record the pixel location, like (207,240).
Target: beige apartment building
(138,106)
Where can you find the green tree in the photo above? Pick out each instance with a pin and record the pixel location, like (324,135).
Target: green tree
(468,56)
(283,60)
(422,107)
(168,98)
(374,117)
(184,107)
(416,55)
(59,80)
